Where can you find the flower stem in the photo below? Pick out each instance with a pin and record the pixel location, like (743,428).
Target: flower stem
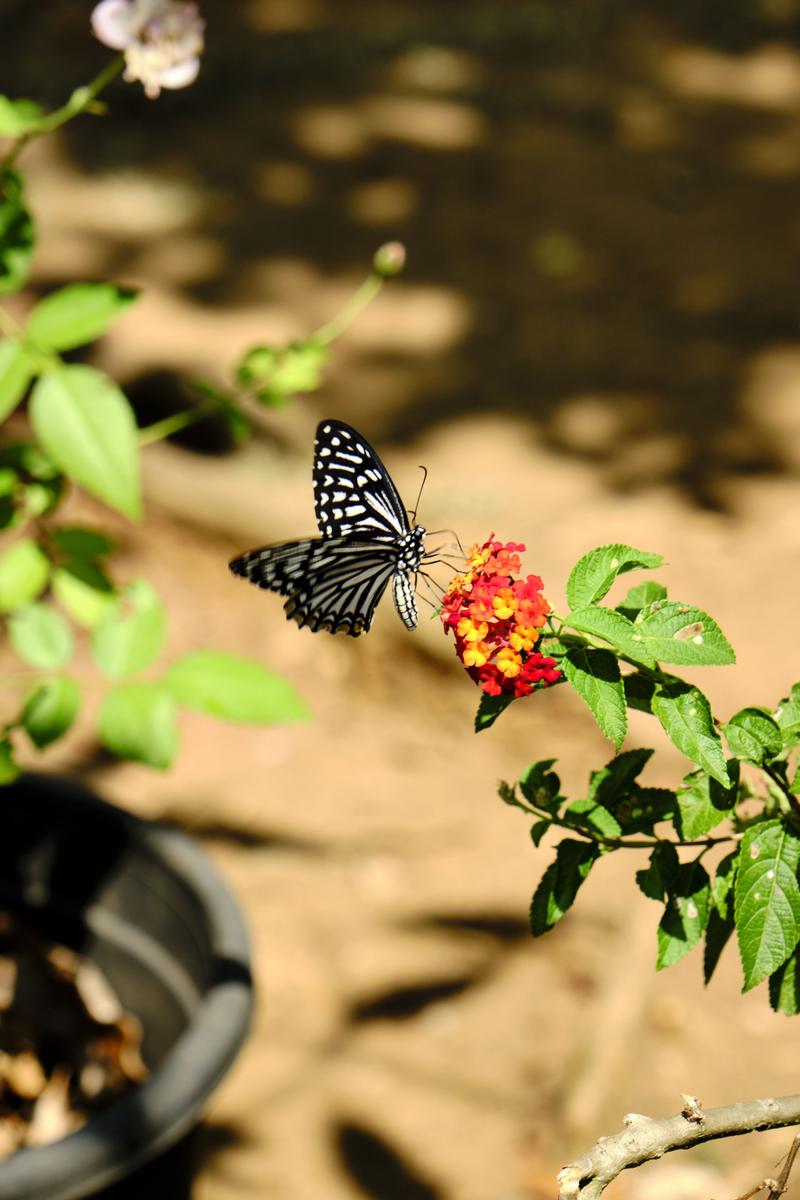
(363,296)
(80,100)
(169,425)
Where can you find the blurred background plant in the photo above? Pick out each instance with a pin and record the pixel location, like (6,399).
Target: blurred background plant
(54,576)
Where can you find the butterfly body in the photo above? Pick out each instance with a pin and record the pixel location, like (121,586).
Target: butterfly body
(334,582)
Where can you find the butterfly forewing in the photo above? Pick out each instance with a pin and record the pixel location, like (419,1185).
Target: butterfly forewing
(353,491)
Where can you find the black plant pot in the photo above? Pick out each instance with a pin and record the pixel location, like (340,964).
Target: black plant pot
(143,902)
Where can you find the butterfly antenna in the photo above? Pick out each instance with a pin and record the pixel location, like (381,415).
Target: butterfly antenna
(419,493)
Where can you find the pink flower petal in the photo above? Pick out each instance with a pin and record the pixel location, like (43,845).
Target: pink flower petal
(181,75)
(114,23)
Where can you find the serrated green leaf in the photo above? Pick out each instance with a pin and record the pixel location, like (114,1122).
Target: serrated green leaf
(642,597)
(639,692)
(9,771)
(50,709)
(614,780)
(595,572)
(595,676)
(685,715)
(87,426)
(685,916)
(17,234)
(718,934)
(784,987)
(131,636)
(138,721)
(767,899)
(24,571)
(753,735)
(591,816)
(76,314)
(680,633)
(787,714)
(41,637)
(614,628)
(16,372)
(644,808)
(489,709)
(540,786)
(660,876)
(84,592)
(234,688)
(18,117)
(703,802)
(559,885)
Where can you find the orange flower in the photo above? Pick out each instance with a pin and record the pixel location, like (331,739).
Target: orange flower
(496,620)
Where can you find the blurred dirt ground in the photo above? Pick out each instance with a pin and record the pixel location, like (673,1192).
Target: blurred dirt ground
(596,339)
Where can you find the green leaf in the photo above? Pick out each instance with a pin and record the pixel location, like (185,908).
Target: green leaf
(18,117)
(234,688)
(615,629)
(138,721)
(679,633)
(16,372)
(76,314)
(131,636)
(9,771)
(787,714)
(539,830)
(685,714)
(24,571)
(559,885)
(642,597)
(718,935)
(753,735)
(593,817)
(17,234)
(784,987)
(87,426)
(685,916)
(645,808)
(50,709)
(41,637)
(540,786)
(283,373)
(767,899)
(489,709)
(614,780)
(84,592)
(724,881)
(660,877)
(593,575)
(703,802)
(73,541)
(595,676)
(639,692)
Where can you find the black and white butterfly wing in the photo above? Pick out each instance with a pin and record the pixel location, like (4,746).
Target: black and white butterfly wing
(353,492)
(331,583)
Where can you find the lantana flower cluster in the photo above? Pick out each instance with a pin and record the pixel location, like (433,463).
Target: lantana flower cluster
(496,621)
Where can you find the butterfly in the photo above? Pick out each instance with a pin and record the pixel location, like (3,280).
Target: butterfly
(334,581)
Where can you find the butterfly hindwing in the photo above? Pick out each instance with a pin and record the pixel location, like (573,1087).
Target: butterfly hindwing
(353,491)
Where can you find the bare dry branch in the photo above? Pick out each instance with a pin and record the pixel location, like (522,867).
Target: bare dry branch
(645,1138)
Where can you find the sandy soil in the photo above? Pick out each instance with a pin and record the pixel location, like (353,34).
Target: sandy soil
(596,340)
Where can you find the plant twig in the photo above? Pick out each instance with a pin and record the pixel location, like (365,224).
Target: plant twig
(645,1138)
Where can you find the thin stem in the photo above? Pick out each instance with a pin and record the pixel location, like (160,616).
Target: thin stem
(624,843)
(363,296)
(81,99)
(169,425)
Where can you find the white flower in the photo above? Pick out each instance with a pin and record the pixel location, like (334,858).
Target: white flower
(162,40)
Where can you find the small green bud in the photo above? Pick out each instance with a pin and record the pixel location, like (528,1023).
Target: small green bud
(389,259)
